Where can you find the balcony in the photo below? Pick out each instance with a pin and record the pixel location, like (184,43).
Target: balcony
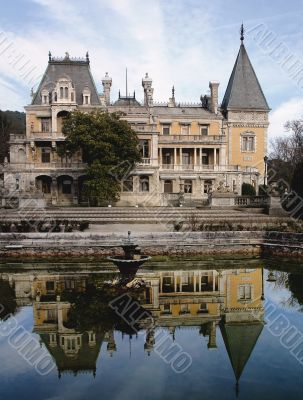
(208,167)
(209,139)
(72,166)
(144,161)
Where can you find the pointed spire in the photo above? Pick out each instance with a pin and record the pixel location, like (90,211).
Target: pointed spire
(173,92)
(87,57)
(243,89)
(242,33)
(49,56)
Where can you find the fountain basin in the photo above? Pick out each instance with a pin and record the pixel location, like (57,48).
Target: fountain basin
(124,264)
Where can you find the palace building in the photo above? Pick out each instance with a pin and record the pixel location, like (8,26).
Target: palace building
(188,150)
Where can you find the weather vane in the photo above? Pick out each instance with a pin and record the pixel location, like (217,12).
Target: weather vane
(242,32)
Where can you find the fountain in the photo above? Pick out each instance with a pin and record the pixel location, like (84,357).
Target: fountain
(132,259)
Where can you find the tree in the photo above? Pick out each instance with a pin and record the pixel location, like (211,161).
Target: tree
(10,122)
(248,190)
(108,145)
(287,153)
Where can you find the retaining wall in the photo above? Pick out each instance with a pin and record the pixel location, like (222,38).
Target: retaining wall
(79,244)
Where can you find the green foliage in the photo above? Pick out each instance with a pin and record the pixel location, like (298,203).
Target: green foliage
(108,145)
(263,190)
(248,190)
(10,122)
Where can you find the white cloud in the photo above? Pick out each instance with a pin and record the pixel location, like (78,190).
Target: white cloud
(289,110)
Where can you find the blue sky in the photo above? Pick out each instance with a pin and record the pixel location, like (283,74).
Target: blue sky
(185,43)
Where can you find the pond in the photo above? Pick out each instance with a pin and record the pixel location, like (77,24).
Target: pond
(194,328)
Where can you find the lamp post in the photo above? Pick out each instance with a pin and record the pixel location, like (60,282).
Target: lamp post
(265,170)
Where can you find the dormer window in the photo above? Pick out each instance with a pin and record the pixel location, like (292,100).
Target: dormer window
(64,91)
(86,96)
(45,96)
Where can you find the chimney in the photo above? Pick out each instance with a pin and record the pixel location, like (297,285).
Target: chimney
(213,96)
(106,82)
(148,90)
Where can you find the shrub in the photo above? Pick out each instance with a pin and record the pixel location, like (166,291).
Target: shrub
(248,190)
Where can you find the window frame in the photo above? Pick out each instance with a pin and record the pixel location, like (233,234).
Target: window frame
(46,151)
(248,142)
(166,126)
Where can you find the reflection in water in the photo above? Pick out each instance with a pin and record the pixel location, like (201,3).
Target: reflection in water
(73,318)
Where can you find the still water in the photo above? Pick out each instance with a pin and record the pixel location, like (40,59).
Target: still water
(195,329)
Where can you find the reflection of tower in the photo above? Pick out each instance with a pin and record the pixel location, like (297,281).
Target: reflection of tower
(150,341)
(111,344)
(243,316)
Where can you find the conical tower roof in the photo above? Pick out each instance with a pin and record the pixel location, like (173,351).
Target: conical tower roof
(240,340)
(243,89)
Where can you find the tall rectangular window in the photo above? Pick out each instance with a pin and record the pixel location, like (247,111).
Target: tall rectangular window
(244,292)
(45,154)
(128,184)
(45,124)
(248,143)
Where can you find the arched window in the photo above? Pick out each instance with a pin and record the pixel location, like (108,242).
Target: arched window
(66,186)
(144,184)
(61,92)
(66,92)
(21,156)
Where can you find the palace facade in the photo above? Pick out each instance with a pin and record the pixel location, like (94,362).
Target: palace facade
(188,150)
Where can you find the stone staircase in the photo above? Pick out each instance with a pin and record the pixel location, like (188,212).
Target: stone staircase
(141,215)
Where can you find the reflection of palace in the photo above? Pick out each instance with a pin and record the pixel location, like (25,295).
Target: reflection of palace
(197,299)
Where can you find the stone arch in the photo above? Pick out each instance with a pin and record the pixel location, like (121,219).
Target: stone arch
(61,116)
(44,185)
(21,155)
(66,189)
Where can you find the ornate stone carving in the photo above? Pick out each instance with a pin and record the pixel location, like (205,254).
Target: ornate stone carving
(245,116)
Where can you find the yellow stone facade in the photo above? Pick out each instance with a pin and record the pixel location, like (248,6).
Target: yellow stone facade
(188,150)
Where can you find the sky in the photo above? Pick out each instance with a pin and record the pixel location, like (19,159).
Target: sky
(185,43)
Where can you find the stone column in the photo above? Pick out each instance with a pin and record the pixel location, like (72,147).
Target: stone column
(215,156)
(175,156)
(222,156)
(75,191)
(181,156)
(54,191)
(195,156)
(155,292)
(160,157)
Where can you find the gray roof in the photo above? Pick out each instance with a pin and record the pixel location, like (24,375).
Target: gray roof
(243,89)
(77,71)
(185,111)
(240,340)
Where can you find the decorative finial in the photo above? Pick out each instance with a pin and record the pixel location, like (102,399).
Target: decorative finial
(49,56)
(32,92)
(146,75)
(173,92)
(87,57)
(242,33)
(66,55)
